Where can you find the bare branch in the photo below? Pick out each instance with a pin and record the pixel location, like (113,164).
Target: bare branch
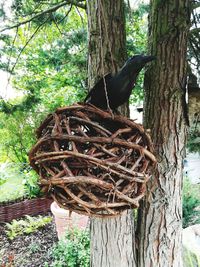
(50,10)
(28,41)
(9,59)
(67,13)
(56,22)
(13,43)
(81,17)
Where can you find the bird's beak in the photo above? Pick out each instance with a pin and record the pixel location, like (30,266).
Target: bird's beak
(147,59)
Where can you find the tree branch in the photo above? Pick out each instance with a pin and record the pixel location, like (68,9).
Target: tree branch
(67,13)
(50,10)
(82,20)
(27,42)
(56,23)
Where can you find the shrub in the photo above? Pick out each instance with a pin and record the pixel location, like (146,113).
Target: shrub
(12,187)
(73,250)
(191,203)
(31,183)
(26,226)
(190,259)
(17,181)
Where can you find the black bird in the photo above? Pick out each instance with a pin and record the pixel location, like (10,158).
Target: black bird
(118,86)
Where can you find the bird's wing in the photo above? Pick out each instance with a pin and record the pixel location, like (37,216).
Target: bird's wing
(98,86)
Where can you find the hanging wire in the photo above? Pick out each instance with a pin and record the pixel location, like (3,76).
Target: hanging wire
(107,36)
(102,55)
(100,12)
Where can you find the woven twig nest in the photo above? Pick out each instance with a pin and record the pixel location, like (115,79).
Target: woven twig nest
(91,161)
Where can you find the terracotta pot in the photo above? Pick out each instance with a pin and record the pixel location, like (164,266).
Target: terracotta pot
(63,221)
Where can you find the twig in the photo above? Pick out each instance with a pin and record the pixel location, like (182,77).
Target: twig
(50,10)
(82,21)
(66,15)
(105,140)
(105,174)
(78,180)
(21,51)
(95,125)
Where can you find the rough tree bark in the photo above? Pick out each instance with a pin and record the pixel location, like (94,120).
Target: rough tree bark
(106,40)
(112,240)
(159,221)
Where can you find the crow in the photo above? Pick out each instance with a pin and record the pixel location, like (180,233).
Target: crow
(118,86)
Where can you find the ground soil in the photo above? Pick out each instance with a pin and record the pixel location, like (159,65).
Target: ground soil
(33,250)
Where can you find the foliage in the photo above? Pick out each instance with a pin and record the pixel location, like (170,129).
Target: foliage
(53,61)
(31,183)
(48,71)
(17,182)
(190,259)
(13,187)
(17,132)
(136,29)
(194,39)
(191,203)
(26,226)
(34,247)
(193,143)
(73,250)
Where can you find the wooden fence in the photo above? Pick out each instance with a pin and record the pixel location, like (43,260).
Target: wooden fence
(26,207)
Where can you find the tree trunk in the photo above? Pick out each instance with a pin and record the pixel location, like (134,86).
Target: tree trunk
(107,38)
(160,216)
(112,240)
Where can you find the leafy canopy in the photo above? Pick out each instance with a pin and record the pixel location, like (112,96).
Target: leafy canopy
(46,58)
